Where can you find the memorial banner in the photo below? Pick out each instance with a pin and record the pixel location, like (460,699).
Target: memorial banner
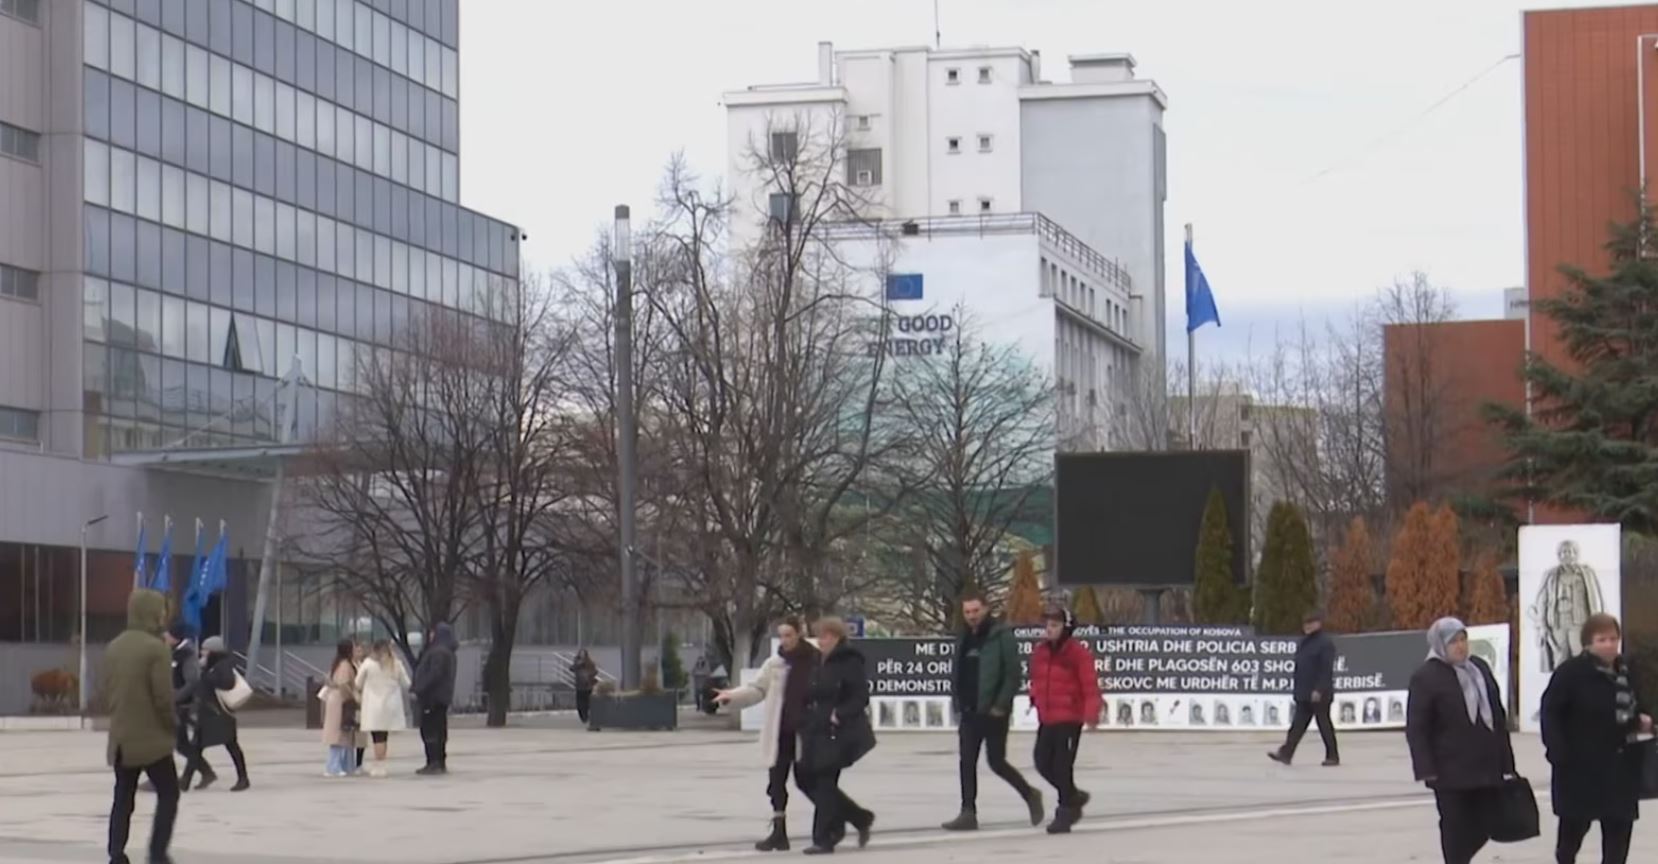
(1174,677)
(1567,573)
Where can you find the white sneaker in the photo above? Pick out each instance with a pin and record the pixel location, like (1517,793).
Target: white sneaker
(377,771)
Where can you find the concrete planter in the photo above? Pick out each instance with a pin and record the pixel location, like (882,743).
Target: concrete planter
(636,712)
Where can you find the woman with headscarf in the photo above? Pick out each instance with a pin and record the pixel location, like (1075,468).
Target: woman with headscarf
(1591,717)
(1459,743)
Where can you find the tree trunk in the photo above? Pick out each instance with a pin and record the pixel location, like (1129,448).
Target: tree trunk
(498,663)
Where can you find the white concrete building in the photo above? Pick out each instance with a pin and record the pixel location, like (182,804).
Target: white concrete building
(973,147)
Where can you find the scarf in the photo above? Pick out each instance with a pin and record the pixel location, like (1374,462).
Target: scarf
(1624,701)
(1475,696)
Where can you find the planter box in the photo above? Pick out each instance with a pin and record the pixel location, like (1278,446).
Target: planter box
(635,712)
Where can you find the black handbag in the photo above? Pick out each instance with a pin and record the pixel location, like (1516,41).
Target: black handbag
(840,747)
(1649,769)
(1516,819)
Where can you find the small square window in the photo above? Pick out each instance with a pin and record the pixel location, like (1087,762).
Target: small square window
(984,74)
(984,205)
(955,208)
(984,143)
(19,284)
(952,76)
(785,146)
(863,122)
(953,144)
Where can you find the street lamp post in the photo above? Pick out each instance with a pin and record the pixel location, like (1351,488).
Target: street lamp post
(81,681)
(621,254)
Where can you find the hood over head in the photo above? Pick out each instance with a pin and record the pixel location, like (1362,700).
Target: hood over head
(443,634)
(147,611)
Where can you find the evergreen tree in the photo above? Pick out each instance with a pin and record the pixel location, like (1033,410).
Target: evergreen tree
(1353,601)
(1591,441)
(673,666)
(1024,601)
(1216,597)
(1085,605)
(1286,583)
(1422,573)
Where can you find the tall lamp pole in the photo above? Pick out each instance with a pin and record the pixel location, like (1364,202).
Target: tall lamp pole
(85,526)
(621,253)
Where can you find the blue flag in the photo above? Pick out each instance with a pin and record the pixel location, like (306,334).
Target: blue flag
(163,580)
(139,558)
(191,582)
(1200,301)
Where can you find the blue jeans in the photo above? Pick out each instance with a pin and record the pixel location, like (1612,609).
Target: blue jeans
(340,760)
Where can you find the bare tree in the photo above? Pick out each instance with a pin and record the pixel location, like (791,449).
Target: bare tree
(394,489)
(1419,402)
(771,389)
(980,418)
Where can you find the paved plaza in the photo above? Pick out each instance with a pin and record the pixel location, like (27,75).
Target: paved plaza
(550,792)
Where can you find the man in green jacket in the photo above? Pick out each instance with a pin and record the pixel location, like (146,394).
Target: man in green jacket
(986,678)
(137,685)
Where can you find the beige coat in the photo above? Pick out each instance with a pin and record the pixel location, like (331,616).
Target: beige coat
(383,693)
(341,689)
(767,687)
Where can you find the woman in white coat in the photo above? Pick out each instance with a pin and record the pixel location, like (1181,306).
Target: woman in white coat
(383,688)
(782,686)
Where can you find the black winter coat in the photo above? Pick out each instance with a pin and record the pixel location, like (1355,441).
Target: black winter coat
(1315,667)
(434,677)
(216,726)
(836,731)
(1596,771)
(1447,747)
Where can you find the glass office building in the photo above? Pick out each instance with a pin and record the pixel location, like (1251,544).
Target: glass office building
(262,182)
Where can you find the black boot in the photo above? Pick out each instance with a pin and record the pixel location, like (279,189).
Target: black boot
(1064,818)
(967,820)
(778,839)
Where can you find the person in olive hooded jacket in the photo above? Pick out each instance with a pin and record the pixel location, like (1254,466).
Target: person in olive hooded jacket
(986,678)
(137,687)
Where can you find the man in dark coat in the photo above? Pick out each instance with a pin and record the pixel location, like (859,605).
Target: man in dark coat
(1315,675)
(986,678)
(434,690)
(1591,716)
(186,669)
(138,690)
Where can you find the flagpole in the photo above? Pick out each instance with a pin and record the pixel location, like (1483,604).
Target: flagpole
(137,570)
(1191,365)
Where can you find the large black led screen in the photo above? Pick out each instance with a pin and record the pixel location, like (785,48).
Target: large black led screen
(1133,518)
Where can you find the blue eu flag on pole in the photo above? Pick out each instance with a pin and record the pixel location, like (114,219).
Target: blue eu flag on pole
(140,558)
(1200,301)
(163,580)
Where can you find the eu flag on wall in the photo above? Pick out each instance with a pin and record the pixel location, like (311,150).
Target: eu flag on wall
(1200,301)
(903,286)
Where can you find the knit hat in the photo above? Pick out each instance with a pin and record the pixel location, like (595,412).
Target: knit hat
(213,645)
(179,631)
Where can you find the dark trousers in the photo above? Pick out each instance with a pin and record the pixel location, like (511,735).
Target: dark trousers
(186,747)
(1465,820)
(162,777)
(983,731)
(1615,836)
(834,810)
(434,733)
(777,785)
(1305,714)
(1056,758)
(198,761)
(584,704)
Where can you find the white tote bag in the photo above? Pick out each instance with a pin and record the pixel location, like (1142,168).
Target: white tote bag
(237,696)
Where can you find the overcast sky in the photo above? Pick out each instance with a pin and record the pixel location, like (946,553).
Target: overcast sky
(1298,144)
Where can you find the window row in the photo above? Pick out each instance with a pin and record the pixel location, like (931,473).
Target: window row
(236,279)
(19,424)
(142,402)
(217,148)
(19,142)
(22,10)
(147,323)
(273,103)
(379,37)
(19,284)
(137,185)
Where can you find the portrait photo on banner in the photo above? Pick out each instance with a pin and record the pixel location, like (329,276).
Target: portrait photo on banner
(1567,573)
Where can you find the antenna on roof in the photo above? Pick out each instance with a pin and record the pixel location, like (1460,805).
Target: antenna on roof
(938,38)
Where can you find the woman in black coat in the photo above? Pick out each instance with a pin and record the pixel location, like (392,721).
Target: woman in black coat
(1459,742)
(835,734)
(1590,719)
(215,726)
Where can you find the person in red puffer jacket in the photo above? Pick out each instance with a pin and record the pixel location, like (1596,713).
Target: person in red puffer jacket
(1066,692)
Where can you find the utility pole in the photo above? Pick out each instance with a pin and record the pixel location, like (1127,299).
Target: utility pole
(621,255)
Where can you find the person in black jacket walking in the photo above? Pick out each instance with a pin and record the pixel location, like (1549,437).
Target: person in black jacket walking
(1459,742)
(1591,716)
(835,734)
(215,726)
(1315,674)
(434,690)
